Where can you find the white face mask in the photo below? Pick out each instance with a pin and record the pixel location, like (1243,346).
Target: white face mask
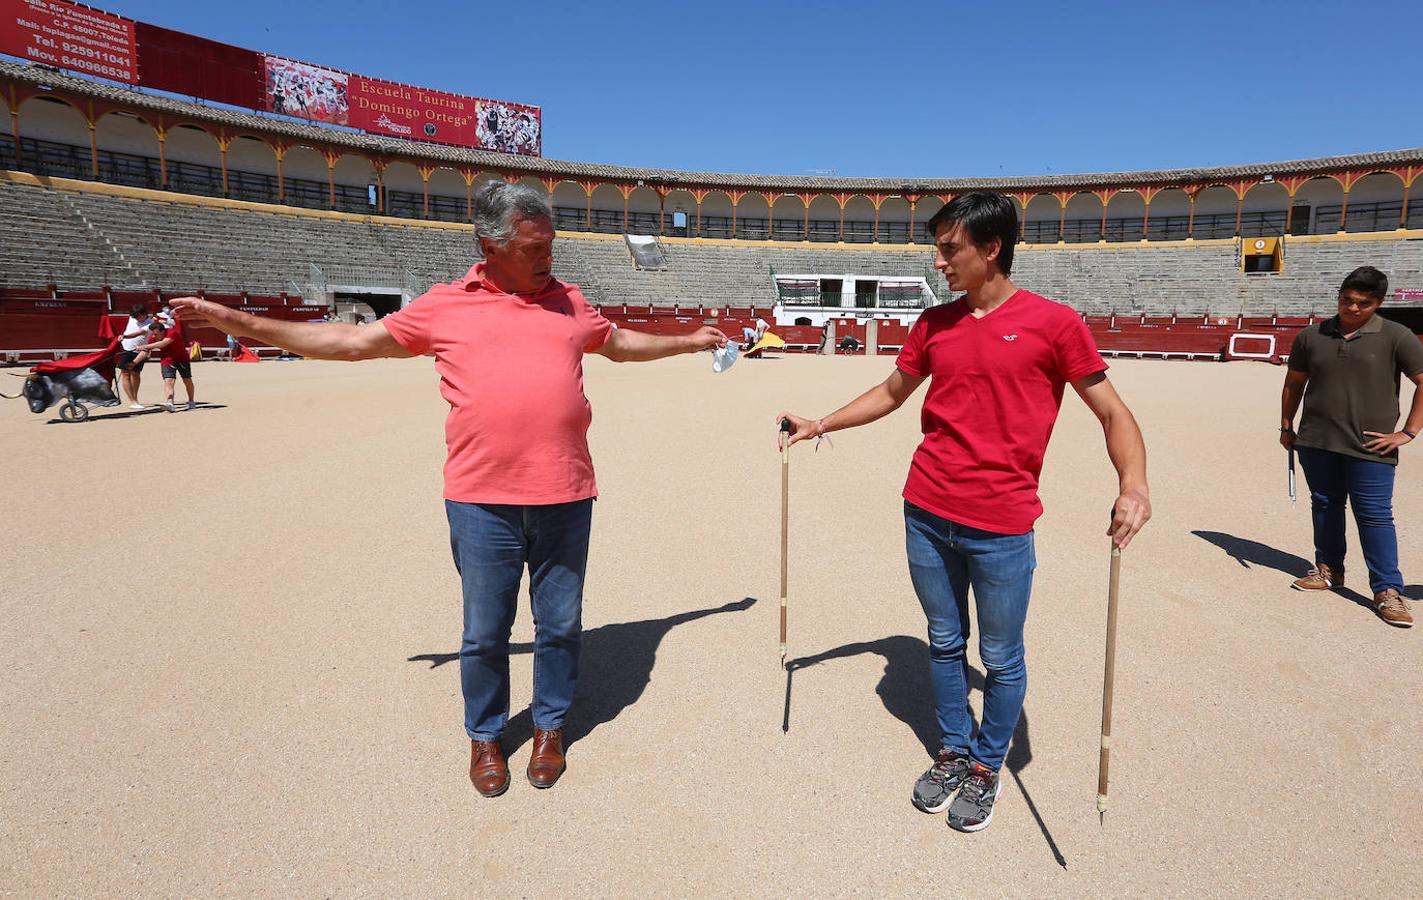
(723,357)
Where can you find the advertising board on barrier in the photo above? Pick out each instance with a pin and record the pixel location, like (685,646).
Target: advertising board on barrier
(69,36)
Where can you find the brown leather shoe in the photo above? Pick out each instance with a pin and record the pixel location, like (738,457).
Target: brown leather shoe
(546,763)
(1323,577)
(487,768)
(1392,609)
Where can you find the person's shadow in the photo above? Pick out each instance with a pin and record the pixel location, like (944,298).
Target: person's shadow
(906,693)
(151,409)
(615,667)
(1253,553)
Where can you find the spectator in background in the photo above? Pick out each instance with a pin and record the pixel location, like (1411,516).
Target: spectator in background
(133,352)
(174,360)
(752,336)
(1346,370)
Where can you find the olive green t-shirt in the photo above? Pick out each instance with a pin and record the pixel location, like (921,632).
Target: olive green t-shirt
(1353,383)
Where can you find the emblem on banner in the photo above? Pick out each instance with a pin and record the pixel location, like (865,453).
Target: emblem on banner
(385,122)
(430,129)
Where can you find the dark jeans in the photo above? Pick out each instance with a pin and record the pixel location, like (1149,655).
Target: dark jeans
(492,544)
(945,560)
(1336,480)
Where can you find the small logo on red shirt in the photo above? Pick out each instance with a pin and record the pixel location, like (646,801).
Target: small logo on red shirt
(1010,337)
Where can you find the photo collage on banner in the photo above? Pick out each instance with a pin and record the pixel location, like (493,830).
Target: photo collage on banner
(508,128)
(306,91)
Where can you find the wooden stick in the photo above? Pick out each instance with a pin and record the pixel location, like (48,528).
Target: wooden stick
(785,526)
(1108,674)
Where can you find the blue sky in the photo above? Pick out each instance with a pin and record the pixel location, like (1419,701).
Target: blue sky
(887,89)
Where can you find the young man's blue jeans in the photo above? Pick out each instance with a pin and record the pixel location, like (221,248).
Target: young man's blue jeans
(945,560)
(1336,480)
(492,544)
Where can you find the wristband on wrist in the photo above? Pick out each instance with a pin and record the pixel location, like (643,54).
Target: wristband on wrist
(1411,434)
(1287,430)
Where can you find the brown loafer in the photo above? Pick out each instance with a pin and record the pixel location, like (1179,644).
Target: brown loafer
(1323,577)
(1392,609)
(546,763)
(487,768)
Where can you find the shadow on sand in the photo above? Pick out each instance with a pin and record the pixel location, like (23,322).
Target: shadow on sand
(1248,553)
(905,691)
(615,667)
(97,413)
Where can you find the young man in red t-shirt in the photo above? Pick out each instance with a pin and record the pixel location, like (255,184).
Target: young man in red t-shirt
(174,360)
(997,360)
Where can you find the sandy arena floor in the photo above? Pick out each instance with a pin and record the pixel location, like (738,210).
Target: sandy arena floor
(228,640)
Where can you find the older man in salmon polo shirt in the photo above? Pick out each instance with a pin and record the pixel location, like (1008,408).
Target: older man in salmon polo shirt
(508,341)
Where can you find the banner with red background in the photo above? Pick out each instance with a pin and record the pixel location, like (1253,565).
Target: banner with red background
(312,92)
(83,39)
(69,36)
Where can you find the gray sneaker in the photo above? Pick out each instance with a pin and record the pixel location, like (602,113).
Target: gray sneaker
(935,788)
(972,809)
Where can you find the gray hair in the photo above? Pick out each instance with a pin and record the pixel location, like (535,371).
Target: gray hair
(498,204)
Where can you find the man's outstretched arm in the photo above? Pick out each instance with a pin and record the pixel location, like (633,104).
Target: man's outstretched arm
(1127,450)
(874,404)
(626,345)
(314,340)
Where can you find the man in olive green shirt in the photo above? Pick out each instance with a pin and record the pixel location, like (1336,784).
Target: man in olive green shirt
(1347,370)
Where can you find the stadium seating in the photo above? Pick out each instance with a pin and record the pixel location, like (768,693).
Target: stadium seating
(44,240)
(82,240)
(717,275)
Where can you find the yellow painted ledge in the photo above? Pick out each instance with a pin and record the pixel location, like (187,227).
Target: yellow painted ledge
(135,193)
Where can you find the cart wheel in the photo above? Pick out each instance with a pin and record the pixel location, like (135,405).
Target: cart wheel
(73,412)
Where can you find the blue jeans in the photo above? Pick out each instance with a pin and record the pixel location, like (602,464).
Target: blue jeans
(945,560)
(492,544)
(1336,480)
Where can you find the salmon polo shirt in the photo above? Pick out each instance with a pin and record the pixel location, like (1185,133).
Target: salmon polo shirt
(511,368)
(995,388)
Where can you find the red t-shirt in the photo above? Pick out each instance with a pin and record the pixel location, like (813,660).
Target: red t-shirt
(177,349)
(511,368)
(994,393)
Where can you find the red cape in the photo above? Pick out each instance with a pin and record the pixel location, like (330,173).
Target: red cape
(101,361)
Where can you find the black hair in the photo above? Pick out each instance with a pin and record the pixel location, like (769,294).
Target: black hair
(985,215)
(138,309)
(1366,280)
